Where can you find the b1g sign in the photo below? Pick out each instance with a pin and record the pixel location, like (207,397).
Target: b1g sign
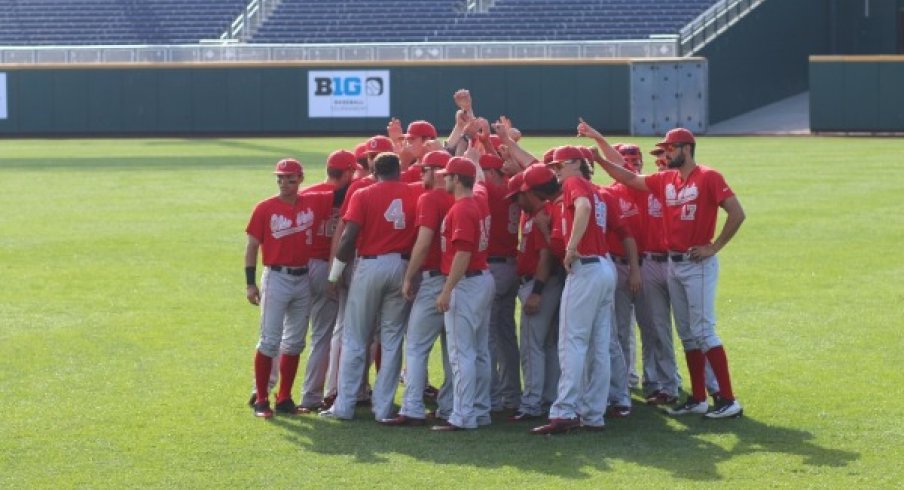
(348,93)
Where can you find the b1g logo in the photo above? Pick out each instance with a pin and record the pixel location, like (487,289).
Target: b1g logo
(348,86)
(348,93)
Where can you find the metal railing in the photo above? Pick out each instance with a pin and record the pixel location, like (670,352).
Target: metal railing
(246,23)
(231,51)
(472,6)
(712,22)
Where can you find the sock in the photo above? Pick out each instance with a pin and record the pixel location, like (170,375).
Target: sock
(262,366)
(696,365)
(719,362)
(288,367)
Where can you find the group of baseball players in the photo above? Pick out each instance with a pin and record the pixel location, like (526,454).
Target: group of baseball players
(411,239)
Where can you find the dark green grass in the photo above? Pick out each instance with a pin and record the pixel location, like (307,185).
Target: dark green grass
(126,341)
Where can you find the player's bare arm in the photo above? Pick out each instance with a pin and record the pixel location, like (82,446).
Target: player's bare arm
(251,291)
(634,278)
(609,153)
(418,255)
(734,218)
(456,272)
(544,266)
(581,218)
(521,156)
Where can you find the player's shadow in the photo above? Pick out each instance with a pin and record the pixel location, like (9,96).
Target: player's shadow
(648,438)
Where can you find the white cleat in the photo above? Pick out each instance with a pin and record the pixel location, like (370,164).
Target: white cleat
(690,406)
(724,410)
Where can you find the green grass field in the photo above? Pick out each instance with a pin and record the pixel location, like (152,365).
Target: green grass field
(126,340)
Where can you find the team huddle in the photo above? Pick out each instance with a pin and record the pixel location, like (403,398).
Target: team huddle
(411,239)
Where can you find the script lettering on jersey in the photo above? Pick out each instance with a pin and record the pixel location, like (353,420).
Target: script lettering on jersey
(280,226)
(628,208)
(684,196)
(654,207)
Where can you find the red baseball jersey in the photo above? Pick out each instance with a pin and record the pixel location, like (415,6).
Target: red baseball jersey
(326,224)
(504,221)
(465,228)
(691,205)
(281,229)
(594,240)
(532,242)
(432,207)
(355,185)
(385,211)
(556,232)
(629,214)
(654,226)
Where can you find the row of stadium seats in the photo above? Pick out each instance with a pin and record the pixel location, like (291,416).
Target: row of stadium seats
(70,22)
(344,21)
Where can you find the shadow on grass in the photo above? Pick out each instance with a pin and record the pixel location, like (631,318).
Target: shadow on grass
(649,438)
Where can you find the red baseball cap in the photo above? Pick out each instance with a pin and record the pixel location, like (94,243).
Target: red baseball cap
(343,160)
(361,151)
(677,135)
(588,153)
(288,166)
(657,150)
(379,144)
(564,153)
(460,166)
(438,158)
(514,185)
(536,175)
(421,129)
(547,157)
(629,150)
(490,162)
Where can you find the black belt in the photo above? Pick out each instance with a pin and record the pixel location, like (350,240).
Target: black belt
(590,260)
(292,271)
(433,273)
(497,260)
(657,257)
(679,257)
(526,279)
(404,256)
(473,273)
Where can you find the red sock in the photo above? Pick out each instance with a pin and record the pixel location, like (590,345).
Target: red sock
(288,367)
(262,366)
(719,362)
(696,365)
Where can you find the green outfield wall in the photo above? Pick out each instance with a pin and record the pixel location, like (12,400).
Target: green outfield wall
(246,98)
(857,93)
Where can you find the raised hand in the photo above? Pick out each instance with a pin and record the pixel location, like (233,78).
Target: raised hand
(394,130)
(587,130)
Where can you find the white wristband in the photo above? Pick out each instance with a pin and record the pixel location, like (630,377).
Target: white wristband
(336,270)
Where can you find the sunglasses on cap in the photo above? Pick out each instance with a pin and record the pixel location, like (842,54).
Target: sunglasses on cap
(629,152)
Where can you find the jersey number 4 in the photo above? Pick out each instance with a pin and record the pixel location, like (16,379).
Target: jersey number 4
(395,214)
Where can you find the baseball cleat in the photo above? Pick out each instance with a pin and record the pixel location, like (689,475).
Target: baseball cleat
(618,411)
(593,428)
(690,406)
(431,391)
(402,420)
(518,416)
(446,428)
(726,409)
(286,407)
(263,410)
(661,398)
(252,400)
(306,409)
(557,426)
(328,402)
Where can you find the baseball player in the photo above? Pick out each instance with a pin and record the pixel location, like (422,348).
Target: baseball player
(373,146)
(586,308)
(505,381)
(278,227)
(380,224)
(340,167)
(466,297)
(539,293)
(423,282)
(692,195)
